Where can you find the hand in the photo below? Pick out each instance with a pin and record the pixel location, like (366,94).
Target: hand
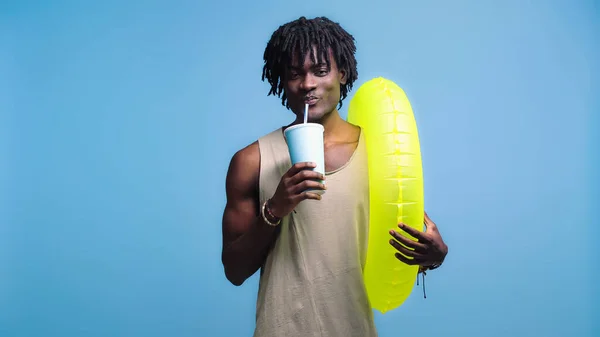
(430,248)
(292,188)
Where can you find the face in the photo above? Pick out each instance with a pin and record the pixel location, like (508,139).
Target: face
(315,84)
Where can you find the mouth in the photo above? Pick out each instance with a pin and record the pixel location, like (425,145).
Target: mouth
(310,100)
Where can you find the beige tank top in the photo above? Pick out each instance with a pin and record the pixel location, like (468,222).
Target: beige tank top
(312,281)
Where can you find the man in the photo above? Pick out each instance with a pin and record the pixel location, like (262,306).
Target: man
(310,247)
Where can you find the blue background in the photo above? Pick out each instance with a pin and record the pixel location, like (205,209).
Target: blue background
(119,119)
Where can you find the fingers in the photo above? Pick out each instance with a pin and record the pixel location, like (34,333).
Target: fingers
(414,233)
(410,253)
(407,260)
(408,242)
(304,180)
(298,167)
(309,195)
(305,175)
(308,184)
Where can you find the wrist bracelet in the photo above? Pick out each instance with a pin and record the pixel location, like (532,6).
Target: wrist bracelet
(262,212)
(434,266)
(268,209)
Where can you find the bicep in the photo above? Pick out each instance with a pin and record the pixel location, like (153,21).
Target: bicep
(238,217)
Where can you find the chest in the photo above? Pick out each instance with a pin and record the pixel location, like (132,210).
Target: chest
(338,154)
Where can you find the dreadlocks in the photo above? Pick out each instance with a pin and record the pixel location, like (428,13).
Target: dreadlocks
(297,38)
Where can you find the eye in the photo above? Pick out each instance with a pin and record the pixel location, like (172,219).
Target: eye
(293,75)
(322,72)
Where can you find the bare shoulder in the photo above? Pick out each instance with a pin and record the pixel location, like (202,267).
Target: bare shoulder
(242,176)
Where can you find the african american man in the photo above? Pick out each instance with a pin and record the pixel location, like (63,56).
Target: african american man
(310,248)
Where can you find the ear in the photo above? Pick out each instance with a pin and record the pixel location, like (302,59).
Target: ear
(342,76)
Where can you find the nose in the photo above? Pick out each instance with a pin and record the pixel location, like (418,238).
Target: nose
(308,83)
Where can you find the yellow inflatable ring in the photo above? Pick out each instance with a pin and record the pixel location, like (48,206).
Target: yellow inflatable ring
(382,110)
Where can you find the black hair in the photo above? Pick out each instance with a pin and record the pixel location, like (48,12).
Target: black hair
(298,37)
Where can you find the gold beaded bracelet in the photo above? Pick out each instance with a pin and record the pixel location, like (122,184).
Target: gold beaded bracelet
(262,212)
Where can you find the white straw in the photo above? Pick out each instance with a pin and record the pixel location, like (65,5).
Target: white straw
(306,113)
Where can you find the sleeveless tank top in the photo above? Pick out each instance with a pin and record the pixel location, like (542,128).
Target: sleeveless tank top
(311,284)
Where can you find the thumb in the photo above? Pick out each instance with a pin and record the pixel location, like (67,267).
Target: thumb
(430,225)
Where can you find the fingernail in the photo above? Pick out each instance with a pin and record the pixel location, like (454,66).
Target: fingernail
(392,242)
(401,225)
(392,232)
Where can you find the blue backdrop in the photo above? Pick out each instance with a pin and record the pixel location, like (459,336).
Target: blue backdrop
(118,120)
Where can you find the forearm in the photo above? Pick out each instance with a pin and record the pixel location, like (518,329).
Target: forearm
(244,255)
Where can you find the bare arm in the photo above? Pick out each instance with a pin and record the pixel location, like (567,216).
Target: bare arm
(246,237)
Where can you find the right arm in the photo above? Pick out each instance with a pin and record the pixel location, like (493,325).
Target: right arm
(246,237)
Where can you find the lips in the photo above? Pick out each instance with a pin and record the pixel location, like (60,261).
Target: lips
(310,100)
